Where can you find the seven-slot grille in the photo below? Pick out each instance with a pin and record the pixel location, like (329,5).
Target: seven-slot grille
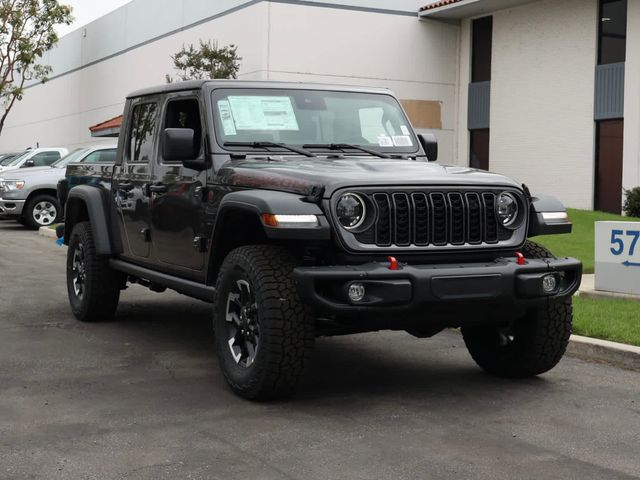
(433,218)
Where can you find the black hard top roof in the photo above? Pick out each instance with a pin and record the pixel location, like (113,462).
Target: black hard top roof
(199,84)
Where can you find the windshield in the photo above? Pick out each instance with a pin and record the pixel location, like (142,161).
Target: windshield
(311,119)
(74,156)
(16,160)
(6,160)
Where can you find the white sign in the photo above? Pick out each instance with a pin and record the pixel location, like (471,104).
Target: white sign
(618,257)
(263,113)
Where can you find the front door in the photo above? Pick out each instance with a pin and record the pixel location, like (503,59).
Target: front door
(609,166)
(133,177)
(177,197)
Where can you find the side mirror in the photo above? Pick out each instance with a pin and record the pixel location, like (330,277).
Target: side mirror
(429,145)
(29,163)
(178,146)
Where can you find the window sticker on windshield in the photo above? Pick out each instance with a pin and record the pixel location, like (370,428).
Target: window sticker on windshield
(385,141)
(226,117)
(402,141)
(263,113)
(404,130)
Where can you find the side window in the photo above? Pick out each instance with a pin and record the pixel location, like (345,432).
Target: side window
(101,156)
(185,113)
(44,159)
(143,124)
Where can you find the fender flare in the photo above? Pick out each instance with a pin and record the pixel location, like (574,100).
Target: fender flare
(538,225)
(92,199)
(258,202)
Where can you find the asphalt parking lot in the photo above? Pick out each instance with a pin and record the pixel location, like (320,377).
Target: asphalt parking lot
(142,397)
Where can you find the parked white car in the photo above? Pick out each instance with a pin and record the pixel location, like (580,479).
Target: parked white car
(28,195)
(36,157)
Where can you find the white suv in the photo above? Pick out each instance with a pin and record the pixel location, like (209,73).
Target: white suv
(36,157)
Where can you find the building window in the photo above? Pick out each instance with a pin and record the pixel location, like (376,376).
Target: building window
(481,49)
(612,41)
(479,92)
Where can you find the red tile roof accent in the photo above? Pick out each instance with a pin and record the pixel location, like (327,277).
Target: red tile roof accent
(441,3)
(114,122)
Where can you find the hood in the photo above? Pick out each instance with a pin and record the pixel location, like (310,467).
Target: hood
(306,176)
(24,173)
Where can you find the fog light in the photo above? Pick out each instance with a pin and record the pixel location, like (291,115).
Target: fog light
(356,292)
(549,283)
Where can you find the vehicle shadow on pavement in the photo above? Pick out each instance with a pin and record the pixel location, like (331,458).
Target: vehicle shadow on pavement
(359,367)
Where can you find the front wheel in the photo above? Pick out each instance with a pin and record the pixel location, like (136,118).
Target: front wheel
(92,285)
(263,332)
(41,211)
(528,346)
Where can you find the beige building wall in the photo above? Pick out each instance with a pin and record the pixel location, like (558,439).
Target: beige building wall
(277,41)
(542,97)
(60,111)
(631,170)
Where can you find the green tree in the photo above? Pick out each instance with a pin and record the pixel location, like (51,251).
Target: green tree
(26,33)
(206,61)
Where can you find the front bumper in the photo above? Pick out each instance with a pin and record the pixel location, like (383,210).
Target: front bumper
(415,288)
(11,208)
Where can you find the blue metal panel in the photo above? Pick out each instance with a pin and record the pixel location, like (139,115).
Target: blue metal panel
(609,97)
(479,105)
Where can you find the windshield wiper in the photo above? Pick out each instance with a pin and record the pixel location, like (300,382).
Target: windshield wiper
(346,146)
(301,151)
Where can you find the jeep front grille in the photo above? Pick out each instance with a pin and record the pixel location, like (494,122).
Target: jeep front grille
(432,218)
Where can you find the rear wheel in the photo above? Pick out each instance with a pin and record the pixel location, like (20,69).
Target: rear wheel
(528,346)
(41,211)
(93,287)
(263,332)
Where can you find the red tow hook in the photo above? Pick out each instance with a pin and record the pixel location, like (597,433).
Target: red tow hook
(393,263)
(520,257)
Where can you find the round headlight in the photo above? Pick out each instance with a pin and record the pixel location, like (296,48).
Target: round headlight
(351,210)
(507,209)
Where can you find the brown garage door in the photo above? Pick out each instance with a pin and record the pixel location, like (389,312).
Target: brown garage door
(608,194)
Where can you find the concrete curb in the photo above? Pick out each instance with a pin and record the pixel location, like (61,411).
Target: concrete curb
(604,295)
(604,351)
(47,232)
(588,290)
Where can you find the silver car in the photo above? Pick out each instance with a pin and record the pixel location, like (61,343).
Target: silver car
(29,195)
(35,157)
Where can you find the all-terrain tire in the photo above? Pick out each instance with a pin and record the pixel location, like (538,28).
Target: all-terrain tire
(41,211)
(285,324)
(531,345)
(95,294)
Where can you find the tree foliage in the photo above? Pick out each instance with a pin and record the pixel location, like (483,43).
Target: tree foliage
(632,202)
(26,33)
(206,61)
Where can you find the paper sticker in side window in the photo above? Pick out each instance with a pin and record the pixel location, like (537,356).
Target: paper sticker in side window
(226,117)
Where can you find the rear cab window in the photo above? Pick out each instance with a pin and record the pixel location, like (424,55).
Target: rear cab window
(140,145)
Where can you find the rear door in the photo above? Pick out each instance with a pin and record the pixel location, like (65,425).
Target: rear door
(132,178)
(177,194)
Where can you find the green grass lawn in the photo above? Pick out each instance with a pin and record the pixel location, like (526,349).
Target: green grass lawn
(615,320)
(579,243)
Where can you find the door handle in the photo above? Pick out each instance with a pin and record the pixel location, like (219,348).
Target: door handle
(126,186)
(158,188)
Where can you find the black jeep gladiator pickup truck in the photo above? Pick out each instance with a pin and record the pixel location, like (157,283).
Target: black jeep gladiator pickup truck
(314,210)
